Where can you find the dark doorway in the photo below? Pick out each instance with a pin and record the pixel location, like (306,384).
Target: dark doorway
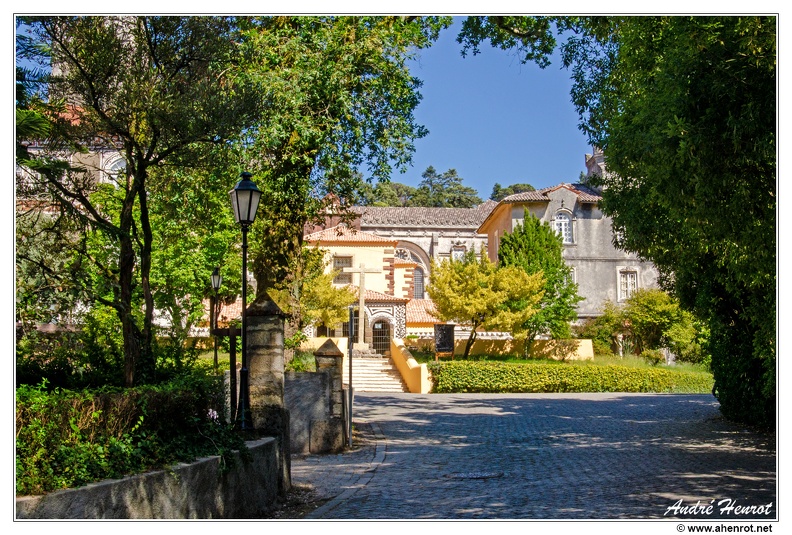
(381,337)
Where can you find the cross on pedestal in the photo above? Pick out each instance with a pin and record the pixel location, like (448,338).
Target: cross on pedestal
(362,292)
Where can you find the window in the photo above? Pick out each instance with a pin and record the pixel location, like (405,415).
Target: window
(418,281)
(339,263)
(563,226)
(628,283)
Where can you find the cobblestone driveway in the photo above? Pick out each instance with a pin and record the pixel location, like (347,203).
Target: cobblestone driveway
(542,456)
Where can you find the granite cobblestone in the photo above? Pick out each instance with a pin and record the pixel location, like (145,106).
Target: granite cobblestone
(541,456)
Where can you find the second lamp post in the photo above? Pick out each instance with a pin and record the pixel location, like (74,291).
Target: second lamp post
(245,200)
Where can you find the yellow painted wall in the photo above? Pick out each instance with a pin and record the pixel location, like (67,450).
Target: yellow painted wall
(416,376)
(541,348)
(499,223)
(372,255)
(400,281)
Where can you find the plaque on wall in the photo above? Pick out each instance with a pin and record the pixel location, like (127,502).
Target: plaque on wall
(444,338)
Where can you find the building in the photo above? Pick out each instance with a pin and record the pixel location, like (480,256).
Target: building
(398,245)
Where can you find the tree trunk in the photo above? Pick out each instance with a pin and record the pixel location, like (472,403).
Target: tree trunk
(471,339)
(147,363)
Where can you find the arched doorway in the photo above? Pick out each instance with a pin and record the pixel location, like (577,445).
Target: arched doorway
(381,336)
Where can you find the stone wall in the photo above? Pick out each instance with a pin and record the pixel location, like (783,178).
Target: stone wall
(205,489)
(315,404)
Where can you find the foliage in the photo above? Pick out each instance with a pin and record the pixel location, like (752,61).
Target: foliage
(543,376)
(499,192)
(71,438)
(152,89)
(705,217)
(536,248)
(313,298)
(653,356)
(303,361)
(443,190)
(649,320)
(681,108)
(603,329)
(476,292)
(339,96)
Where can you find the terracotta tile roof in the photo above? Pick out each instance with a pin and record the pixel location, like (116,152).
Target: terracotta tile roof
(344,234)
(421,311)
(584,193)
(377,297)
(413,216)
(229,312)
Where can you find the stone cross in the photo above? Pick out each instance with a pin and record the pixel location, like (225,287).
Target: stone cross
(362,292)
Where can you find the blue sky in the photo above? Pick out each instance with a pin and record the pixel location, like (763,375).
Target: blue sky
(495,120)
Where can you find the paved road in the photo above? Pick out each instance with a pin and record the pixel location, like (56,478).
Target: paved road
(543,456)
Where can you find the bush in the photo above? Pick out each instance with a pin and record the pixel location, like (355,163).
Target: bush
(70,438)
(549,376)
(653,356)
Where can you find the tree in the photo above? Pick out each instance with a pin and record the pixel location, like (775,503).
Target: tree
(339,96)
(649,320)
(384,194)
(536,248)
(476,292)
(499,193)
(319,301)
(682,108)
(656,320)
(701,203)
(153,89)
(443,191)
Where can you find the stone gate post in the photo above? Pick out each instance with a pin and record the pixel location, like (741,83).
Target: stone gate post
(265,352)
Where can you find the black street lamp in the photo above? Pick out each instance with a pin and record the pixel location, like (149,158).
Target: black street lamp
(217,280)
(245,200)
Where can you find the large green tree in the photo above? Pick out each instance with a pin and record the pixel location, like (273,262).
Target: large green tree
(443,190)
(480,294)
(684,109)
(536,248)
(339,98)
(152,89)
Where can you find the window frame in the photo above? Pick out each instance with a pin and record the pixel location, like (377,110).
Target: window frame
(342,278)
(569,220)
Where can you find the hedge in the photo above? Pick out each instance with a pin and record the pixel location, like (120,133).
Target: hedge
(66,439)
(495,377)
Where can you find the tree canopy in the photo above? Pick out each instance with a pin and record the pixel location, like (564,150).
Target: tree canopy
(536,248)
(480,294)
(439,190)
(443,190)
(499,192)
(151,89)
(684,109)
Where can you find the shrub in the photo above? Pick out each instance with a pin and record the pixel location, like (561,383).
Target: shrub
(653,356)
(69,438)
(549,376)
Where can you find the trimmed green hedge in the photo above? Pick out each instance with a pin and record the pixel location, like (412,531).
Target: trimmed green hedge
(466,376)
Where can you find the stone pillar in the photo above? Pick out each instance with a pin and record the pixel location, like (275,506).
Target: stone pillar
(265,354)
(328,435)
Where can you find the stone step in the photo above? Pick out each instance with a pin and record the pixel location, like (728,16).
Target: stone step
(374,374)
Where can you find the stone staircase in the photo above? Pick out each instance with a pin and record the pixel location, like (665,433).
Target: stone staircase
(372,372)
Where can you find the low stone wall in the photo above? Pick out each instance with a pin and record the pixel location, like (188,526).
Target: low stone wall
(204,489)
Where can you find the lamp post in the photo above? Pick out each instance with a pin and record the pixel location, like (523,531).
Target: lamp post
(245,200)
(217,280)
